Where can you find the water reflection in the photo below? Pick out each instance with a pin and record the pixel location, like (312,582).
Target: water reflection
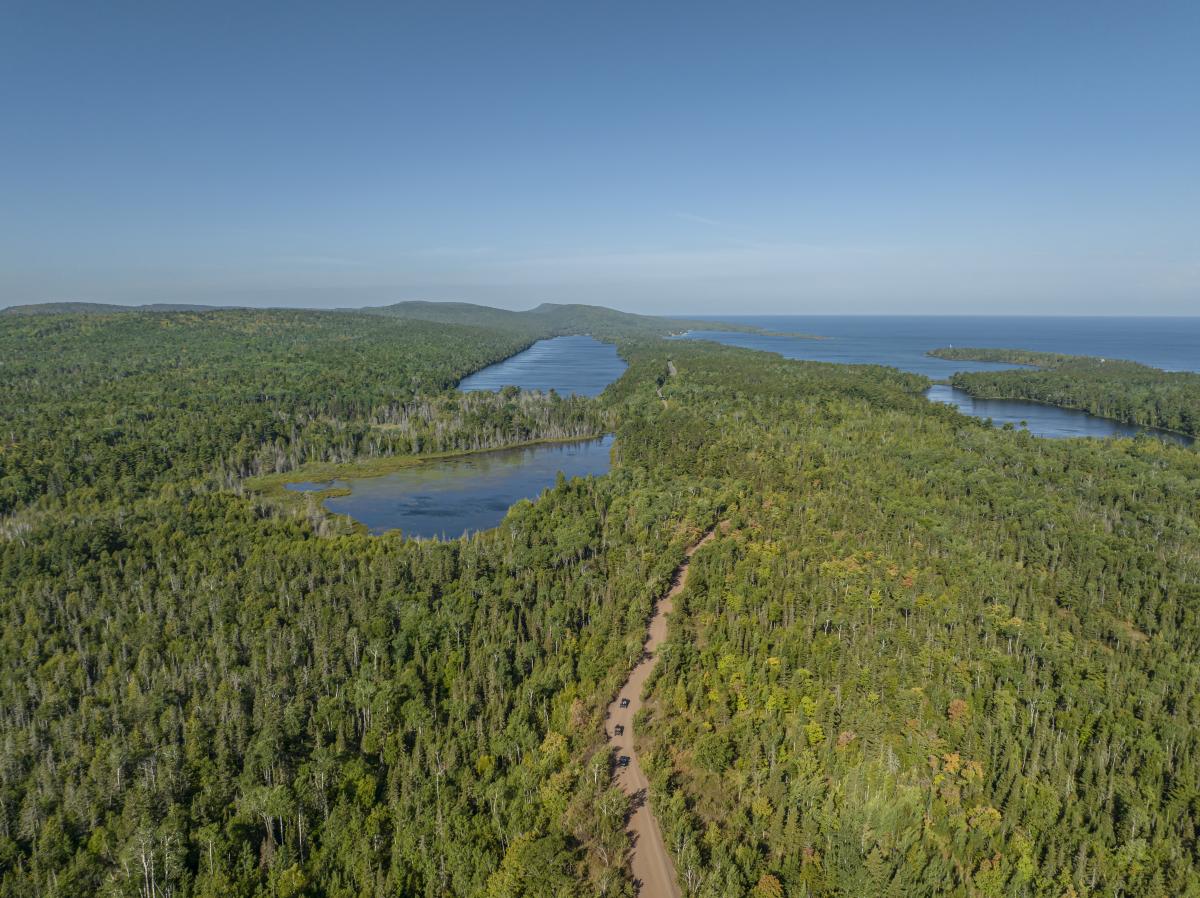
(445,498)
(1043,420)
(581,365)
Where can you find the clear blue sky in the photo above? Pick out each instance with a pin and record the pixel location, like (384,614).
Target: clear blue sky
(838,157)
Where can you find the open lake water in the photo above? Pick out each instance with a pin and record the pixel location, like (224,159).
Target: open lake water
(1044,420)
(902,341)
(581,365)
(445,498)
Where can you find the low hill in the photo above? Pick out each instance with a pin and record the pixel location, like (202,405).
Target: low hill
(101,308)
(546,319)
(549,319)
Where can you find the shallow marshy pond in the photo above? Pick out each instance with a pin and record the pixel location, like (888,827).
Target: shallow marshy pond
(445,498)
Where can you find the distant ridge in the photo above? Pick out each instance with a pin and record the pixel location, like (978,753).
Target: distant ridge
(547,319)
(102,308)
(448,313)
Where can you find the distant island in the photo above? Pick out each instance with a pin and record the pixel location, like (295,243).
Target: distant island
(1112,388)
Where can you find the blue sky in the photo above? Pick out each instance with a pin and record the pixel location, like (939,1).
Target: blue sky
(840,157)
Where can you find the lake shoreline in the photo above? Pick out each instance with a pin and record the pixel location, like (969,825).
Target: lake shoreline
(1167,435)
(332,482)
(322,472)
(1072,408)
(569,365)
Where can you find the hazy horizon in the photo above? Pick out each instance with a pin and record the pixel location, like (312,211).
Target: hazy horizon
(669,313)
(1023,159)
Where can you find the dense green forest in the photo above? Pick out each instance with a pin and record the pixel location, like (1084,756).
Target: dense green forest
(99,407)
(550,319)
(1111,388)
(101,308)
(932,657)
(925,658)
(546,320)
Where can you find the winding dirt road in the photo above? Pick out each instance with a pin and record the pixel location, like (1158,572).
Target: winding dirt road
(653,872)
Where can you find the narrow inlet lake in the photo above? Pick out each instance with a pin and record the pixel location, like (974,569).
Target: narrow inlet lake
(581,365)
(902,341)
(447,497)
(1044,420)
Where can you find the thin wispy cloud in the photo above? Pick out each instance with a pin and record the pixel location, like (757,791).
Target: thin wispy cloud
(688,216)
(733,234)
(455,251)
(786,259)
(316,261)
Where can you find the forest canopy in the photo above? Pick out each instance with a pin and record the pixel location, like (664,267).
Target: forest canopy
(1111,388)
(925,657)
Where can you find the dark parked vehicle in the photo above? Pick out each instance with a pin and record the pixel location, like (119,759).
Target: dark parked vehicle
(623,761)
(624,703)
(619,729)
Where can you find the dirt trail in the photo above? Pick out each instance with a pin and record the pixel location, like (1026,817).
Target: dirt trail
(670,371)
(653,872)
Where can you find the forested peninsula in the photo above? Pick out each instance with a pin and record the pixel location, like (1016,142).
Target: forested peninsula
(1111,388)
(924,657)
